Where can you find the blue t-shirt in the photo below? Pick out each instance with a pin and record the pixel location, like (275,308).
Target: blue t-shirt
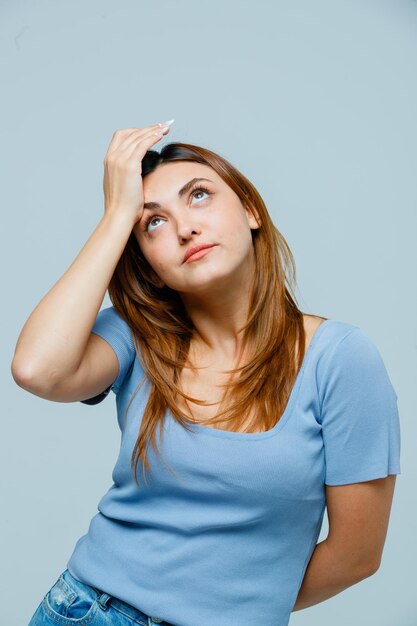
(227,539)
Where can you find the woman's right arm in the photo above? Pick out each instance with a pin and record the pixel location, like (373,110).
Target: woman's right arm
(53,340)
(51,358)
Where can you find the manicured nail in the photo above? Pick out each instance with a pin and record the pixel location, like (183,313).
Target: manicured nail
(168,123)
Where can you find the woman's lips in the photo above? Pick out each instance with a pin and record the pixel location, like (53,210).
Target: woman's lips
(199,254)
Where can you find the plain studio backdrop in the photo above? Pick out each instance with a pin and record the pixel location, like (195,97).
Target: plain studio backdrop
(316,103)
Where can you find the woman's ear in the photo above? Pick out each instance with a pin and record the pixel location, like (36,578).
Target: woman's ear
(253,216)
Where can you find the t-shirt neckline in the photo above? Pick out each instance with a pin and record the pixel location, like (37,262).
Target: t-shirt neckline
(227,434)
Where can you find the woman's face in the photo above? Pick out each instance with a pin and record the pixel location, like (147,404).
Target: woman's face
(196,216)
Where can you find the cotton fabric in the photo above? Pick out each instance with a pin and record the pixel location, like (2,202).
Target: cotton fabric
(69,601)
(227,539)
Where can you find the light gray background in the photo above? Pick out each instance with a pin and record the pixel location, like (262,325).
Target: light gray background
(316,103)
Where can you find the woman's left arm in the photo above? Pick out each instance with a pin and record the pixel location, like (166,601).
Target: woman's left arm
(358,516)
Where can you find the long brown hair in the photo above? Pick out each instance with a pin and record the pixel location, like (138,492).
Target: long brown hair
(162,330)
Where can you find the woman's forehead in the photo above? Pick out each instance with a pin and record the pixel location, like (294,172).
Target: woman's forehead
(173,175)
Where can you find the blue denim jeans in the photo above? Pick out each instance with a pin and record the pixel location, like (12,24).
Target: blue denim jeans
(70,602)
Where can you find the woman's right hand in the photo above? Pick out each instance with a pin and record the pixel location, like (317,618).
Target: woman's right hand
(122,183)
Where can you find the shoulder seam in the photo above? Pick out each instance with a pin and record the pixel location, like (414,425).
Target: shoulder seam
(334,349)
(341,339)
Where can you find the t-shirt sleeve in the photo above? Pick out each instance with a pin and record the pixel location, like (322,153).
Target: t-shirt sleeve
(359,413)
(113,329)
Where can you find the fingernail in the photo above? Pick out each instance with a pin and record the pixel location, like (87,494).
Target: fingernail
(168,123)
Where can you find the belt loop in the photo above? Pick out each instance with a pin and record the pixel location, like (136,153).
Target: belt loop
(103,600)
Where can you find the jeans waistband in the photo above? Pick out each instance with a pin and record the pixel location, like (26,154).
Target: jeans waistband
(105,600)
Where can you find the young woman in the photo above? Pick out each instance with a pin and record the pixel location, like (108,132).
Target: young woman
(258,415)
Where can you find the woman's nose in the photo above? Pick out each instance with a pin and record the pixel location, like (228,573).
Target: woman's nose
(186,227)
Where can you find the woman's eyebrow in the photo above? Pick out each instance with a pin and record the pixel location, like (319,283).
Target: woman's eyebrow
(181,192)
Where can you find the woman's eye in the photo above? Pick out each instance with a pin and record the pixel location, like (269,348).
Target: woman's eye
(149,221)
(199,191)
